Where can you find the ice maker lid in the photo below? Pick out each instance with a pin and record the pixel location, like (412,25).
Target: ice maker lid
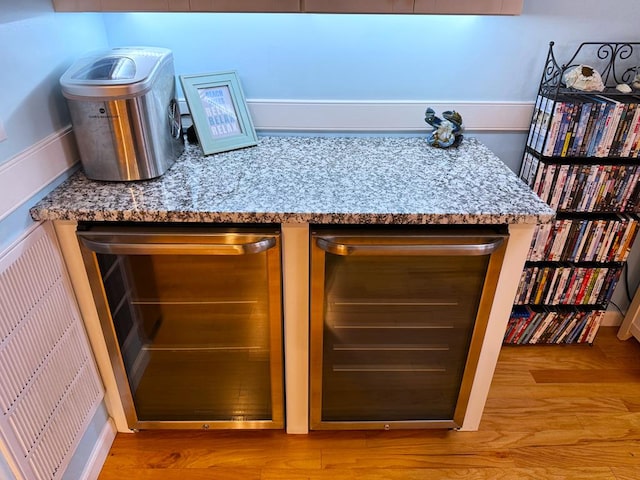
(115,73)
(108,68)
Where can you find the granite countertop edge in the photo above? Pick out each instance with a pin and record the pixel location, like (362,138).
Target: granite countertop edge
(38,213)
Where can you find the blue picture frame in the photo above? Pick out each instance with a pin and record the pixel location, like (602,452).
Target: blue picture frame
(219,111)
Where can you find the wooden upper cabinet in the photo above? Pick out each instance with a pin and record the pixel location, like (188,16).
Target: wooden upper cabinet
(473,7)
(245,5)
(476,7)
(358,6)
(176,5)
(121,5)
(77,5)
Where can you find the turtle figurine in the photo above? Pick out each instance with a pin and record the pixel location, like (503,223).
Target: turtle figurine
(447,132)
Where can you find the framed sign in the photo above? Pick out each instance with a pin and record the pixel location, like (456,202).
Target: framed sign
(219,111)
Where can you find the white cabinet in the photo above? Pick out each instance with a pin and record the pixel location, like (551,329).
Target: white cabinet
(631,324)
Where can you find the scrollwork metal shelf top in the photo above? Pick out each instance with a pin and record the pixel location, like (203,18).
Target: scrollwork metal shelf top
(617,62)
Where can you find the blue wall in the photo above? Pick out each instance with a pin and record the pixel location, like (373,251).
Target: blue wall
(380,57)
(36,47)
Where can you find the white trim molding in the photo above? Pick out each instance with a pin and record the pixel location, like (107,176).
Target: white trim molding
(33,169)
(384,116)
(612,318)
(100,452)
(381,116)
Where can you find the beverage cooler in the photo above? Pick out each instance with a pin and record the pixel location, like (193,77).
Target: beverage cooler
(192,320)
(398,317)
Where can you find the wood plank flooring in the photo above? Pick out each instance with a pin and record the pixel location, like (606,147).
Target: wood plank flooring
(568,412)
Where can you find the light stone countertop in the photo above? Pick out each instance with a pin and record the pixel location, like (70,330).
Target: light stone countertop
(338,180)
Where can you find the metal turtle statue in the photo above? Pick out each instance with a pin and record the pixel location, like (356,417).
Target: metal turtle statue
(447,132)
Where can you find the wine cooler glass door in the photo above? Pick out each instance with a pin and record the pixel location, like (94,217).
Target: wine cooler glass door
(193,322)
(394,322)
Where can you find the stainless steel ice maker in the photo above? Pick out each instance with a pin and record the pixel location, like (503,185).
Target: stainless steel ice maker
(124,112)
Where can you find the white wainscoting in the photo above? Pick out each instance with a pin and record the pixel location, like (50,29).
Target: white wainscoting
(28,172)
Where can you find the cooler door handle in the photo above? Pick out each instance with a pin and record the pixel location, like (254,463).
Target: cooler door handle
(111,246)
(338,246)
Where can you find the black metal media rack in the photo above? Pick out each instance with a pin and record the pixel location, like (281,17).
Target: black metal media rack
(582,157)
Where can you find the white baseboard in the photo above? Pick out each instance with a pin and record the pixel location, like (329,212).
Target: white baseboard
(33,169)
(611,318)
(100,452)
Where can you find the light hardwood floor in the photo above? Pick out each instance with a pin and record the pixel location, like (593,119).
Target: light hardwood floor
(553,413)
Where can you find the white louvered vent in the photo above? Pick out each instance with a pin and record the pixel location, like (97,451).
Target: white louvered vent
(49,386)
